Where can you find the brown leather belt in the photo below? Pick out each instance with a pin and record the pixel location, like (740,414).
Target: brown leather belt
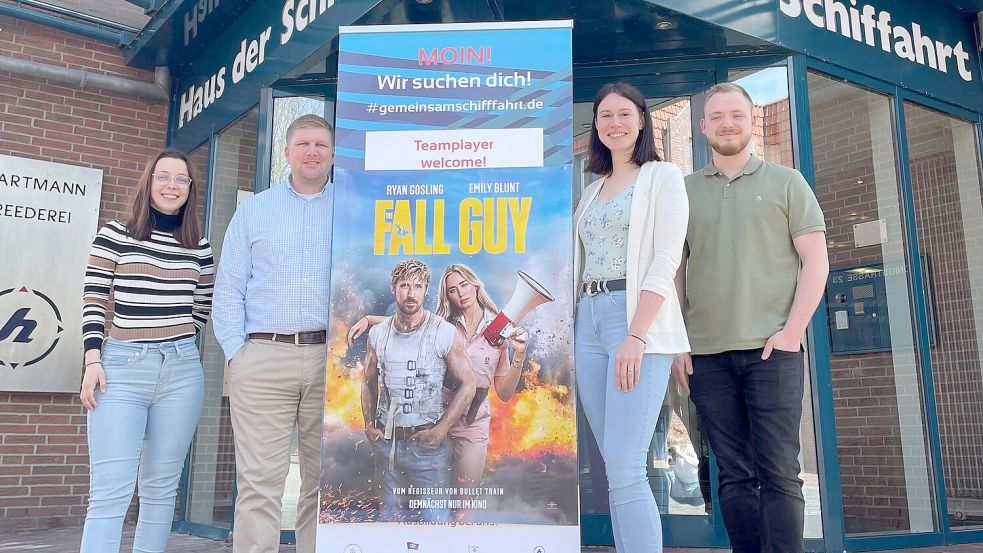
(299,339)
(404,432)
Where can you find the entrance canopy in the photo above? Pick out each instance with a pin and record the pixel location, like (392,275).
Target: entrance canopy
(222,54)
(221,59)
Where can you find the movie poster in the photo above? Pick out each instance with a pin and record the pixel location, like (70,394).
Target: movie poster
(449,420)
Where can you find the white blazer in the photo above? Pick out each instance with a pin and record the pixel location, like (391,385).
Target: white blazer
(656,232)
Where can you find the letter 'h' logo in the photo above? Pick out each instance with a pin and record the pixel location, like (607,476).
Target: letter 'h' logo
(19,320)
(32,328)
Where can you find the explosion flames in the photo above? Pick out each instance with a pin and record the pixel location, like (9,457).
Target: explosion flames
(539,420)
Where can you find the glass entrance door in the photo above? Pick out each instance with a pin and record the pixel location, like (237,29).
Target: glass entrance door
(879,402)
(211,471)
(900,185)
(944,163)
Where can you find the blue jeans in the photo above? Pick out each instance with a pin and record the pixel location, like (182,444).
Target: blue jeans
(413,467)
(750,411)
(143,426)
(622,422)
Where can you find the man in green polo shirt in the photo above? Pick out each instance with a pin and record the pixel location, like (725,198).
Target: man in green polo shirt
(753,271)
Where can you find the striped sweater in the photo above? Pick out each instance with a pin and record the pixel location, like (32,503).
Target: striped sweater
(161,291)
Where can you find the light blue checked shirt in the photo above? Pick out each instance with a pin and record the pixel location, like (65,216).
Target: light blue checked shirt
(274,270)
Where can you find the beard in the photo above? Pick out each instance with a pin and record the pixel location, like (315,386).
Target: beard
(730,148)
(407,308)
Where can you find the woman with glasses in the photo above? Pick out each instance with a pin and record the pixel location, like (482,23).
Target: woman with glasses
(143,384)
(629,232)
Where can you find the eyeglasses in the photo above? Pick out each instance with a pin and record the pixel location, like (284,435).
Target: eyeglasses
(165,178)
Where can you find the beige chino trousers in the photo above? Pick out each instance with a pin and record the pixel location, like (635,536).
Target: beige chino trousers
(272,387)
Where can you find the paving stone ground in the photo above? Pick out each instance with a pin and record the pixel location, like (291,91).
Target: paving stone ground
(65,540)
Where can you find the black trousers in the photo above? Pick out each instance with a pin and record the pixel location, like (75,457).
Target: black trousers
(750,410)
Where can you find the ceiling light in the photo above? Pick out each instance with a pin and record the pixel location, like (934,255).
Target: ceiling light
(665,25)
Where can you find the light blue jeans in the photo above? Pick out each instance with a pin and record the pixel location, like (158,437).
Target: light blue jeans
(622,422)
(143,425)
(414,467)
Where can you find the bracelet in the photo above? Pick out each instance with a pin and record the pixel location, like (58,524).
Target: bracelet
(92,363)
(639,338)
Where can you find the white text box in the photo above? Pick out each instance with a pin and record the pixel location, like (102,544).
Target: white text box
(453,149)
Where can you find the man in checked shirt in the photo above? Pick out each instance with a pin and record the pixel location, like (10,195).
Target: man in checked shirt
(270,316)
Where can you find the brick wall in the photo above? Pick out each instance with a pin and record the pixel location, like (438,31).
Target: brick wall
(43,453)
(776,140)
(43,461)
(673,135)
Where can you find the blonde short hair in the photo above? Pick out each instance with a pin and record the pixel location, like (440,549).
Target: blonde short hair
(726,88)
(309,121)
(410,269)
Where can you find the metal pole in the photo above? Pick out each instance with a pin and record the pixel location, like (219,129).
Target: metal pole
(82,79)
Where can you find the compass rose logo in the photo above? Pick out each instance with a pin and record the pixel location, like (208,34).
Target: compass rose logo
(30,327)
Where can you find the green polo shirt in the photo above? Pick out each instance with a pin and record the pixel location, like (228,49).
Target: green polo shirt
(742,268)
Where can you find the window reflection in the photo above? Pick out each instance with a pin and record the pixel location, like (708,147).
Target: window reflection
(285,110)
(885,472)
(945,178)
(212,471)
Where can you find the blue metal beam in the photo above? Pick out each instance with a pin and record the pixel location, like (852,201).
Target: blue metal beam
(118,38)
(77,16)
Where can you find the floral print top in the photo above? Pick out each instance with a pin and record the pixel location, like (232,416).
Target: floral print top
(604,232)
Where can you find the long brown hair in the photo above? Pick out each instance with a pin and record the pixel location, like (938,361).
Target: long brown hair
(188,233)
(600,157)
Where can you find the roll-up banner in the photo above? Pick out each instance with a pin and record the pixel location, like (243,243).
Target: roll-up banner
(449,420)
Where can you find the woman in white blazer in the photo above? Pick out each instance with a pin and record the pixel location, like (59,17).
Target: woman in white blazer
(629,227)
